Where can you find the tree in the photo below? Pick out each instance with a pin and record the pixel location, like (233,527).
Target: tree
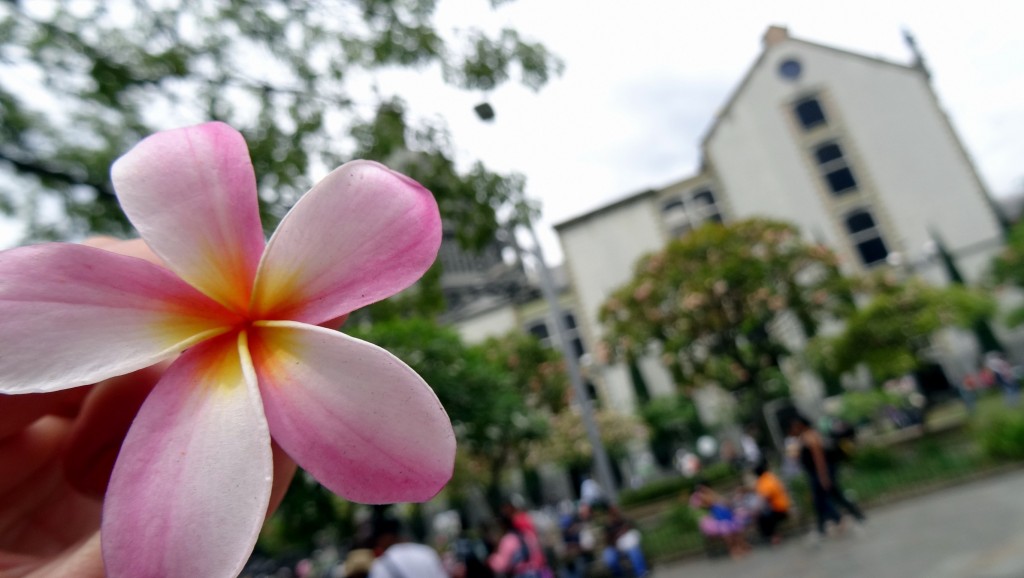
(713,302)
(538,371)
(892,331)
(1008,268)
(671,420)
(94,77)
(568,443)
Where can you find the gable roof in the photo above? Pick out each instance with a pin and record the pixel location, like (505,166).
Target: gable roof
(786,39)
(782,37)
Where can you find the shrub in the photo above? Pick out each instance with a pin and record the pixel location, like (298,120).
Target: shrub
(656,490)
(720,474)
(1002,435)
(875,458)
(682,519)
(860,407)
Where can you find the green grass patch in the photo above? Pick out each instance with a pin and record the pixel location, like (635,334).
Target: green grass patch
(1000,432)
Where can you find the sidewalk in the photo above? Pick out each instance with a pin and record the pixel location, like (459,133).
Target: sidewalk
(971,531)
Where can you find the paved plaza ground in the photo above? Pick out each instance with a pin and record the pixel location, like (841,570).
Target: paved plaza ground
(972,531)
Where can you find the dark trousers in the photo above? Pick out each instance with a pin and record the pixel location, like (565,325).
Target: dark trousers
(768,521)
(827,502)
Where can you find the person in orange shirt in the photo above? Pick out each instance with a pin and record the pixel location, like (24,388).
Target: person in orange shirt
(776,503)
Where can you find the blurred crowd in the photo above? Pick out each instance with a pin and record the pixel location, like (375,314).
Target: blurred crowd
(574,540)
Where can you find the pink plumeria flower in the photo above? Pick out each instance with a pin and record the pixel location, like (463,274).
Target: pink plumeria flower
(191,485)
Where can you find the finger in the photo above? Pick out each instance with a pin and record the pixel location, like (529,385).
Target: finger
(40,515)
(23,454)
(18,411)
(102,241)
(131,248)
(83,560)
(101,427)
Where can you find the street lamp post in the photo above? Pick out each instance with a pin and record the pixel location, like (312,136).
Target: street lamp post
(547,285)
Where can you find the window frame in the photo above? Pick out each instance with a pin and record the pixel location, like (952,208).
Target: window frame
(816,124)
(865,235)
(834,166)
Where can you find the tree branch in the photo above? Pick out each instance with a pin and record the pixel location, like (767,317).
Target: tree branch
(43,171)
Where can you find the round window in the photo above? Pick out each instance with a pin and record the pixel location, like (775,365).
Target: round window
(790,69)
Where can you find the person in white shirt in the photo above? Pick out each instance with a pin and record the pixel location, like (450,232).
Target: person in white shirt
(591,493)
(403,559)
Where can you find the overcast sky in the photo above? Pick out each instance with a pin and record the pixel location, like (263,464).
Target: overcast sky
(644,78)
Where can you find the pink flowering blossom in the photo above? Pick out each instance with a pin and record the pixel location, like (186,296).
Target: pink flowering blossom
(191,485)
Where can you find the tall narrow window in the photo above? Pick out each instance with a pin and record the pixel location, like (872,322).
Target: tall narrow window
(704,197)
(573,335)
(809,113)
(834,168)
(866,237)
(676,220)
(705,207)
(539,329)
(672,205)
(570,321)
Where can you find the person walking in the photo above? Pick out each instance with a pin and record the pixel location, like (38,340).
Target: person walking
(821,476)
(519,553)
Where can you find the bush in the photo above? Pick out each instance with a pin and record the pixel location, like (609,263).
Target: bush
(859,407)
(720,474)
(675,533)
(1002,435)
(656,490)
(875,458)
(682,519)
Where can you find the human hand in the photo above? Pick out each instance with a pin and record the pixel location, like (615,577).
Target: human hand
(57,451)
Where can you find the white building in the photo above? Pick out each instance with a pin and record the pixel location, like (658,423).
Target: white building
(854,150)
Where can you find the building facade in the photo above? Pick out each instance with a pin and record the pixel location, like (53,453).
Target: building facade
(854,150)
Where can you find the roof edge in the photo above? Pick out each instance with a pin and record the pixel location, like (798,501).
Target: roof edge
(734,94)
(605,208)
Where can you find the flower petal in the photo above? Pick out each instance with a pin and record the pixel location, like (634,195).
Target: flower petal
(351,414)
(362,234)
(74,315)
(191,485)
(191,193)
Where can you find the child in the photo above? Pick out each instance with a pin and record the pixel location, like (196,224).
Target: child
(776,503)
(720,521)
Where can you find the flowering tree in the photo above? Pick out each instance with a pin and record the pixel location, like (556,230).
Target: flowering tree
(671,420)
(892,331)
(538,371)
(568,444)
(710,301)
